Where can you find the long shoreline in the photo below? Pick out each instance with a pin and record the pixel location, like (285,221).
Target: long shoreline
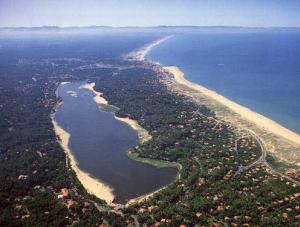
(98,95)
(139,55)
(256,118)
(142,133)
(143,136)
(281,142)
(248,114)
(92,185)
(103,191)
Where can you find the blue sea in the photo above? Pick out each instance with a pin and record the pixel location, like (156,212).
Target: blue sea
(259,69)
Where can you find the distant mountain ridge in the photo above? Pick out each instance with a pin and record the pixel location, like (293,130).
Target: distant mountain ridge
(139,27)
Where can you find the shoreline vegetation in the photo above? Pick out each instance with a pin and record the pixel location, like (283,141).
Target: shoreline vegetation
(158,164)
(279,141)
(142,133)
(104,192)
(95,186)
(245,112)
(98,95)
(143,136)
(92,185)
(225,178)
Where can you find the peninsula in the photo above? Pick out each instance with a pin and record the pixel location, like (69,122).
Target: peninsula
(235,167)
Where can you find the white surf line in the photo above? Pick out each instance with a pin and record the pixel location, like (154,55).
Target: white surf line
(252,116)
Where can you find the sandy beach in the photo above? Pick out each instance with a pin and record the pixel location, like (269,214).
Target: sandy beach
(143,134)
(98,95)
(92,185)
(281,142)
(140,54)
(256,118)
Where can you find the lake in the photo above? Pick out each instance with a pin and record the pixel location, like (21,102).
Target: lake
(100,143)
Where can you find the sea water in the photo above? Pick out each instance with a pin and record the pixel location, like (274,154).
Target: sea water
(259,69)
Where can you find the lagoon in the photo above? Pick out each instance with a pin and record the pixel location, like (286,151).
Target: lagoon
(99,143)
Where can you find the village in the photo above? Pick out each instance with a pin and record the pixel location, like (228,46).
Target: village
(224,176)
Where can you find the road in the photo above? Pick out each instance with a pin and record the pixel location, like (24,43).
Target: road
(261,159)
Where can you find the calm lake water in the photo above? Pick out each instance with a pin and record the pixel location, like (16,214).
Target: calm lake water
(99,142)
(259,69)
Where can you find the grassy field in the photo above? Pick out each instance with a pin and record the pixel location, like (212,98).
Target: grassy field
(280,166)
(109,108)
(157,163)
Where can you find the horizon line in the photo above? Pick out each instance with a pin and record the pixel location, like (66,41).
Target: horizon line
(155,26)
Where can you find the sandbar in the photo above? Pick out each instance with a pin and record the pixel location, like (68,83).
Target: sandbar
(139,55)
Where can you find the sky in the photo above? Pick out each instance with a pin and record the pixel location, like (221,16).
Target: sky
(120,13)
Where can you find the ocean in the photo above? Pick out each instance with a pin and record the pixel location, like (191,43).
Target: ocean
(257,68)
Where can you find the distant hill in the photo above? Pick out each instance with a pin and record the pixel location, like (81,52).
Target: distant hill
(56,28)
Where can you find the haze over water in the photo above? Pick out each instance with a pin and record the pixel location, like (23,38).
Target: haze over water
(259,69)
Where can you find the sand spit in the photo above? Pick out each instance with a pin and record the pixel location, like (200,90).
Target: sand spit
(283,143)
(72,93)
(280,141)
(143,198)
(143,134)
(140,54)
(92,185)
(98,95)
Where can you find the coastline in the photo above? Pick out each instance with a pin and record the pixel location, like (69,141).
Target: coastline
(246,113)
(142,133)
(143,136)
(260,122)
(98,95)
(157,164)
(281,142)
(139,55)
(95,186)
(92,185)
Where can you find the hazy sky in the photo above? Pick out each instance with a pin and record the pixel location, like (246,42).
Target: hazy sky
(149,12)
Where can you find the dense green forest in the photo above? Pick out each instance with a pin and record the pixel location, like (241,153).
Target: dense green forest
(211,189)
(38,189)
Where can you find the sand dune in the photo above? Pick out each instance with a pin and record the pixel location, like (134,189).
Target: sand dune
(246,113)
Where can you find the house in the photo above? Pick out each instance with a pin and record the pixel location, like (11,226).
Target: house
(65,192)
